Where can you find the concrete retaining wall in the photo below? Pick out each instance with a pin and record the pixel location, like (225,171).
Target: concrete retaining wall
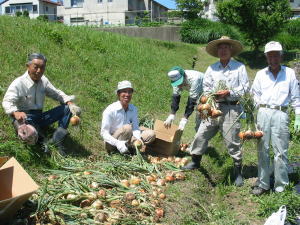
(166,33)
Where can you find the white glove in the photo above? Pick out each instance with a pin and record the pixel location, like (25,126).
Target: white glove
(121,146)
(75,110)
(182,123)
(169,120)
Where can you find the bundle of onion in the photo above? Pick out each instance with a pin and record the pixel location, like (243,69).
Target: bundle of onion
(249,134)
(204,110)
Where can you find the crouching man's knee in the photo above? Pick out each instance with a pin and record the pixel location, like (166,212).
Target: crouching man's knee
(148,136)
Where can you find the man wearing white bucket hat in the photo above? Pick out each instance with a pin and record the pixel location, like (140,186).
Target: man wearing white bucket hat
(234,75)
(274,88)
(120,123)
(24,101)
(191,81)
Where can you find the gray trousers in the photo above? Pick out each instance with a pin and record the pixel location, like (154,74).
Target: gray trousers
(225,124)
(124,133)
(275,125)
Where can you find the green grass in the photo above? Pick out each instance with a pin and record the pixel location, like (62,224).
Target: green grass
(89,64)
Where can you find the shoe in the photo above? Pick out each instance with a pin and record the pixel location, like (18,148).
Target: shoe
(195,164)
(239,181)
(259,191)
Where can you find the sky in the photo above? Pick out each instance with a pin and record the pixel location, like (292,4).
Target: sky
(168,3)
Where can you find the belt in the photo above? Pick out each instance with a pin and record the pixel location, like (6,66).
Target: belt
(229,102)
(277,107)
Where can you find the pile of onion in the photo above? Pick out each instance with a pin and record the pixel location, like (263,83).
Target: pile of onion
(249,134)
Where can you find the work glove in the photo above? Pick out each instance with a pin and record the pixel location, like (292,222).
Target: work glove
(121,146)
(182,123)
(297,123)
(169,120)
(75,110)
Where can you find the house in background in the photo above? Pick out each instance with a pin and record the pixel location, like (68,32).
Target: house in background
(35,8)
(295,5)
(110,12)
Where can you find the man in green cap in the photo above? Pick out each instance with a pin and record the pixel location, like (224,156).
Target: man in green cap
(191,81)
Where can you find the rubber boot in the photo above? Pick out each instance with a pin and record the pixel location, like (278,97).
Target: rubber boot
(238,181)
(58,138)
(195,164)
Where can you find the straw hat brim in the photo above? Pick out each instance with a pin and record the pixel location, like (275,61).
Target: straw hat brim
(212,47)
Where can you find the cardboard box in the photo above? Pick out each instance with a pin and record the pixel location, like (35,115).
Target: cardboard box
(167,140)
(16,186)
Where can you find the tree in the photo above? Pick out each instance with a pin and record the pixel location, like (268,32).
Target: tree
(190,9)
(258,20)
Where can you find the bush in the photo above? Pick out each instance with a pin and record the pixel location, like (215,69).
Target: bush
(42,18)
(293,27)
(18,14)
(26,13)
(288,41)
(201,31)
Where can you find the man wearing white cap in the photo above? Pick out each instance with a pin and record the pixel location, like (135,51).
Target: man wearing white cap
(120,123)
(234,75)
(274,88)
(24,101)
(191,81)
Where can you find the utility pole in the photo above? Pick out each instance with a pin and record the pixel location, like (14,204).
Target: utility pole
(151,3)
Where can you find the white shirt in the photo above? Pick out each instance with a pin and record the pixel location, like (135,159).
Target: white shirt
(193,84)
(277,92)
(234,75)
(114,117)
(24,94)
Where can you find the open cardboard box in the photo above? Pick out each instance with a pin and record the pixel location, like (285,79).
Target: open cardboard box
(16,186)
(167,140)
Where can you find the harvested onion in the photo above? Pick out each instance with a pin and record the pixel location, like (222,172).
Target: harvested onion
(75,120)
(97,204)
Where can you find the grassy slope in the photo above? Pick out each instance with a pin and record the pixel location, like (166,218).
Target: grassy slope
(89,64)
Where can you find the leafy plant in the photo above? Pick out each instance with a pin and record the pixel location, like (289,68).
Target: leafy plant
(258,20)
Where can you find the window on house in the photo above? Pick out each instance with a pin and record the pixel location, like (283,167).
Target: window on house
(77,19)
(109,0)
(34,8)
(18,8)
(46,8)
(7,10)
(100,1)
(77,3)
(291,0)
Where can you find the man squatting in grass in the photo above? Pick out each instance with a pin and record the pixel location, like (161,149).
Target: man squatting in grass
(191,81)
(274,87)
(24,101)
(234,75)
(120,123)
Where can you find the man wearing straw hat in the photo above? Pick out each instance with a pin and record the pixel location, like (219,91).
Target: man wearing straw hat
(120,124)
(234,75)
(274,88)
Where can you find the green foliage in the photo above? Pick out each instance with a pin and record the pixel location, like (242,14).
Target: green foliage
(203,30)
(190,9)
(290,36)
(26,14)
(18,14)
(258,20)
(43,18)
(271,203)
